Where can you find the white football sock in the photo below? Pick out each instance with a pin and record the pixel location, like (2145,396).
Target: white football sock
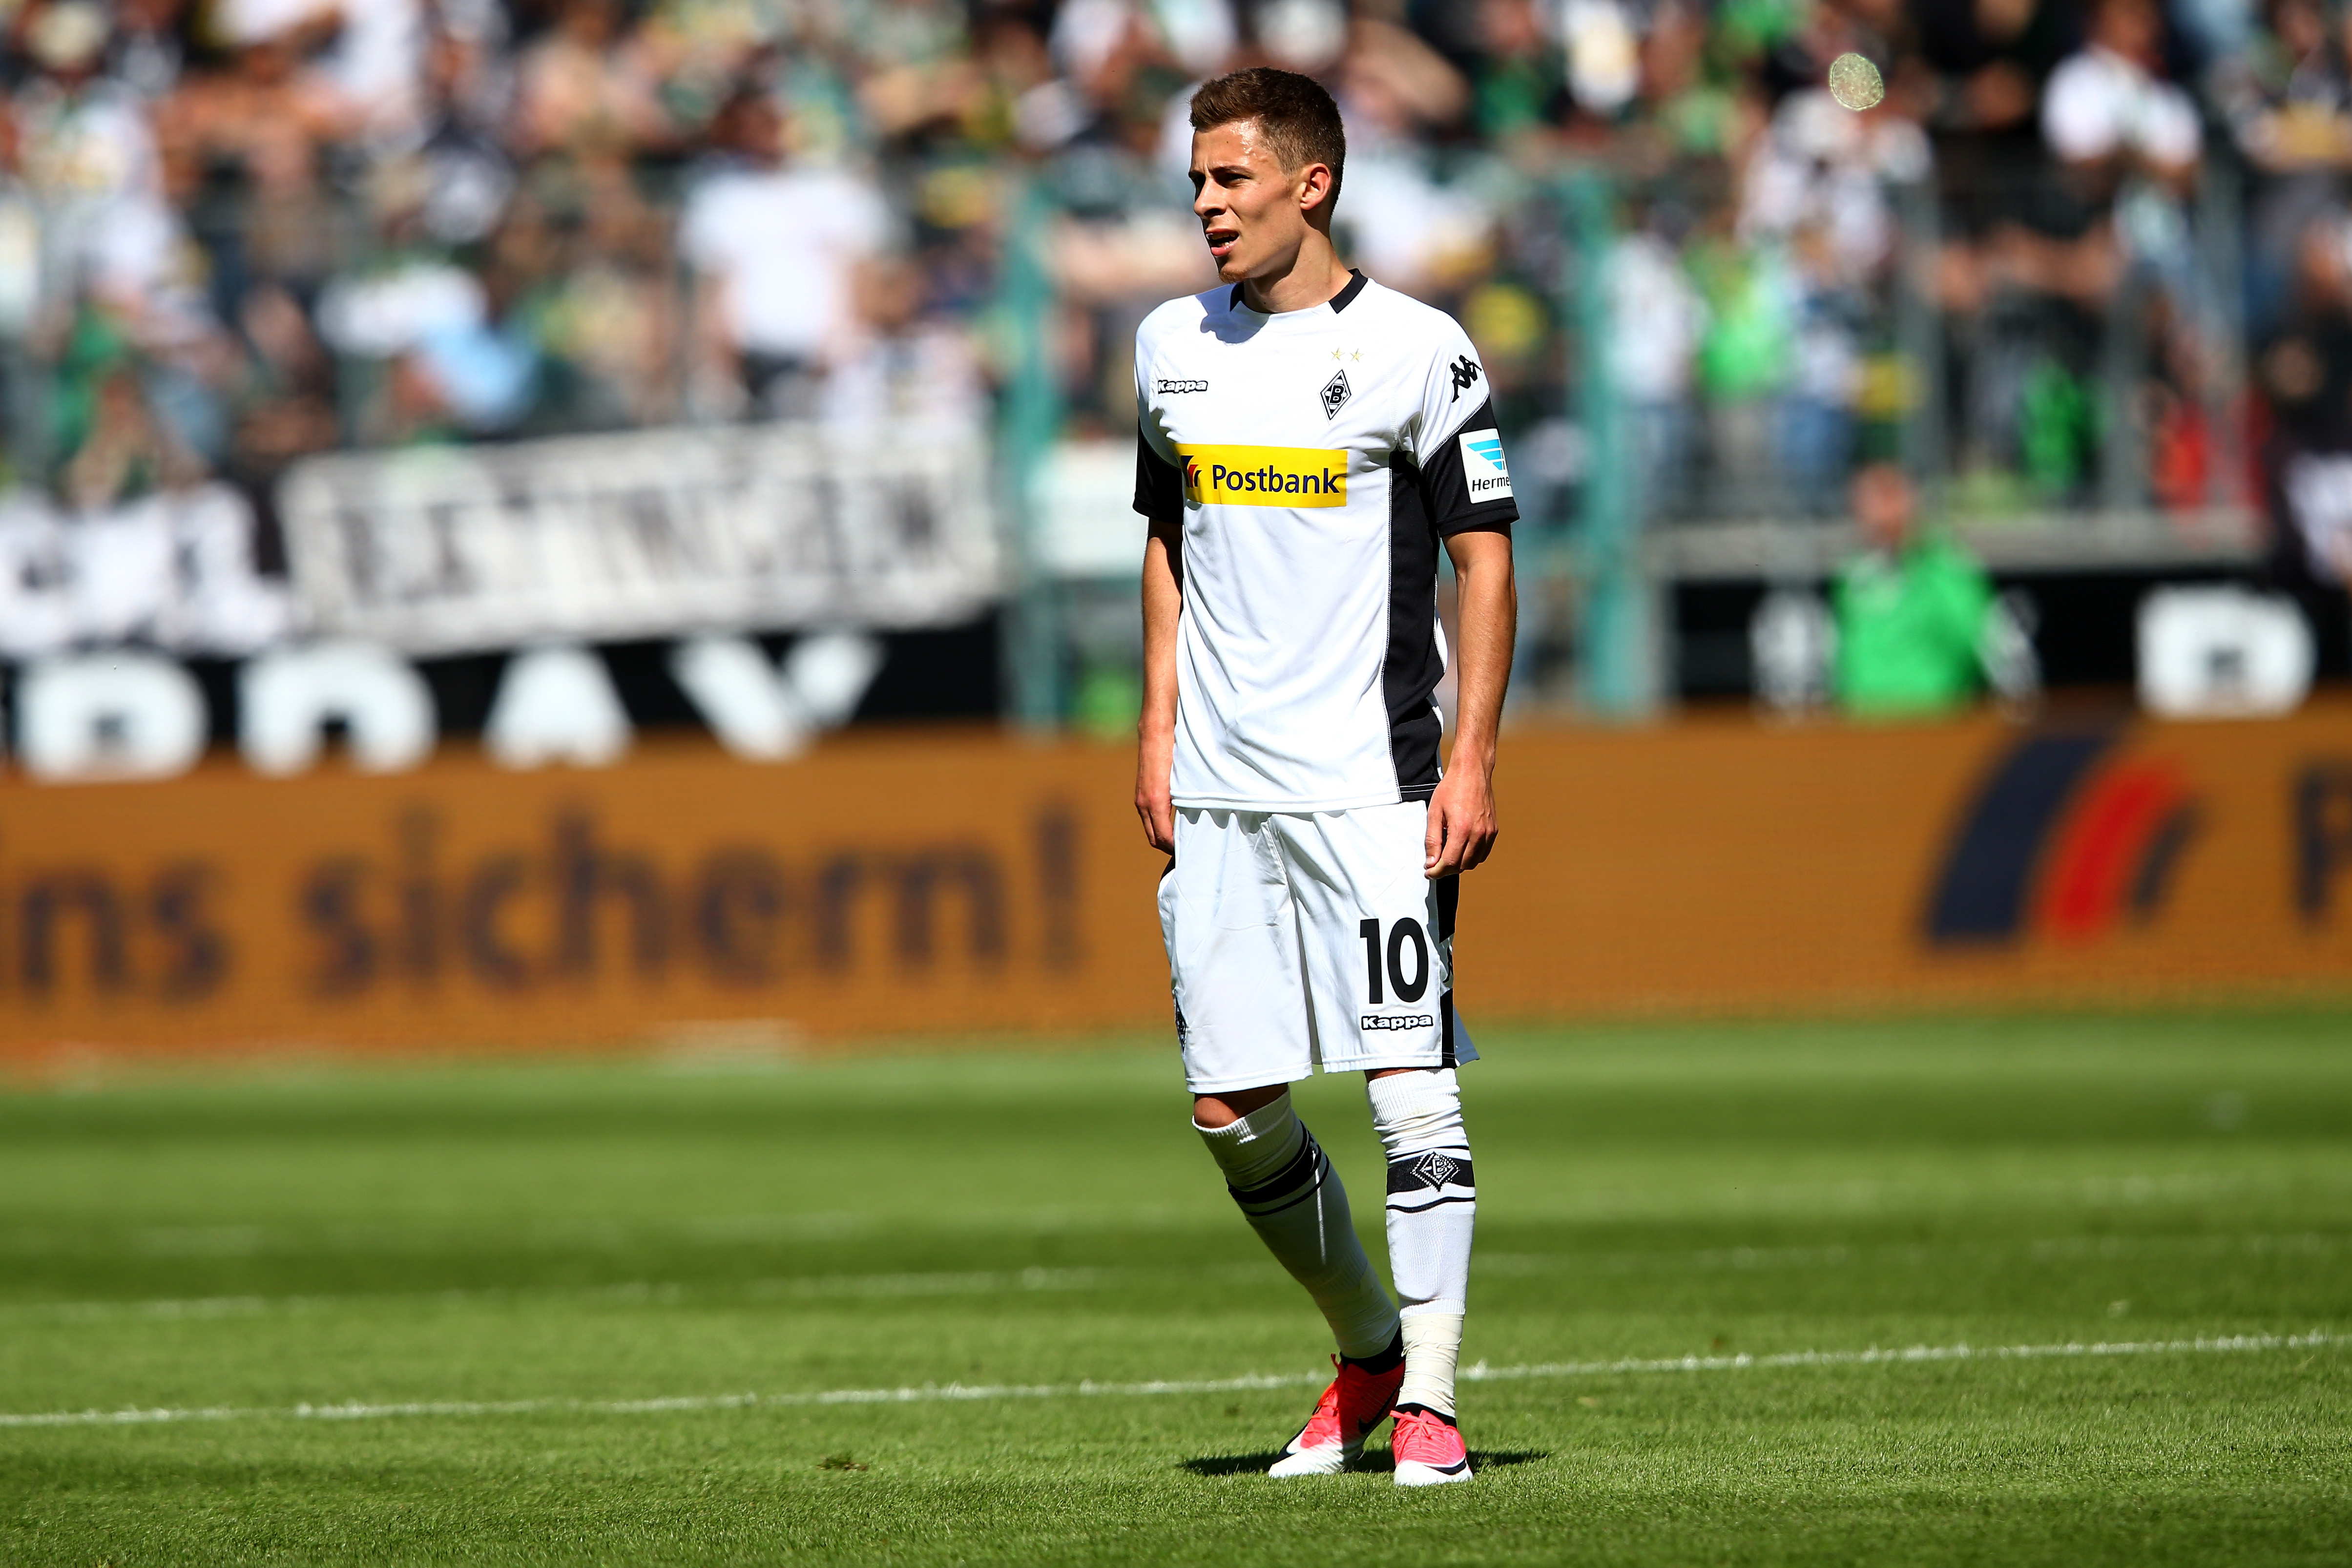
(1433,1209)
(1292,1199)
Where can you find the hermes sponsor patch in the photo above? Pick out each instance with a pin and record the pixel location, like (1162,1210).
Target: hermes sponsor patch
(1489,477)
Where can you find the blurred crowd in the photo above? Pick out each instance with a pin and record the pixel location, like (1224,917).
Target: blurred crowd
(234,232)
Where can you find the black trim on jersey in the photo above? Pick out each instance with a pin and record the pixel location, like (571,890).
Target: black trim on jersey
(1447,490)
(1449,904)
(1426,502)
(1410,667)
(1340,302)
(1159,487)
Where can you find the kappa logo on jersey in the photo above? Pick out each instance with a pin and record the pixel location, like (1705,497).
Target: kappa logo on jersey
(1170,388)
(1263,476)
(1483,467)
(1465,376)
(1336,393)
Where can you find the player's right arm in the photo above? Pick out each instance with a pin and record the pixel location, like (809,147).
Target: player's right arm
(1155,755)
(1160,498)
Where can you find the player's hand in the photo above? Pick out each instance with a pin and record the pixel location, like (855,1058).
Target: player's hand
(1462,825)
(1153,760)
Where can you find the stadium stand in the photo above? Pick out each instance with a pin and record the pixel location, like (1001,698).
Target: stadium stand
(2083,273)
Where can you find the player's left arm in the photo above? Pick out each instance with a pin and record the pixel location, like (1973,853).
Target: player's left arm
(1465,489)
(1462,826)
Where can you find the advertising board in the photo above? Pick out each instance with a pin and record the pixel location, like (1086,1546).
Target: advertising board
(967,884)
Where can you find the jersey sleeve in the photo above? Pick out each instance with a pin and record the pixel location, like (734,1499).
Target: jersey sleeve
(1465,480)
(1158,488)
(1452,389)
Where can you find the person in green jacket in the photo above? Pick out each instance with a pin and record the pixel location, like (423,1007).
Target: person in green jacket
(1919,629)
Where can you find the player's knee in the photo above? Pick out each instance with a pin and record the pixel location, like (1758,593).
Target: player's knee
(1267,1155)
(1417,1111)
(1211,1111)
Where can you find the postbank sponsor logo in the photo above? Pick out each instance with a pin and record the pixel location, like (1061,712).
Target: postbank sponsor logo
(1263,476)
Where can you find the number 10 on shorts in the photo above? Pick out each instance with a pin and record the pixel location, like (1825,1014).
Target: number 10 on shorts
(1406,953)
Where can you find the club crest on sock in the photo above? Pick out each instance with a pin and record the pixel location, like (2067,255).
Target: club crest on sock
(1435,1169)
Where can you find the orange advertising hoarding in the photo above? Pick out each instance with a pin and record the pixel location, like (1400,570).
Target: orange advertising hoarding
(968,883)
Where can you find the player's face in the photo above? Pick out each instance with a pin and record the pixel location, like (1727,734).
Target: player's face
(1253,212)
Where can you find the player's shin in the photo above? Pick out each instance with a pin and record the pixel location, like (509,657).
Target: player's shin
(1432,1211)
(1287,1190)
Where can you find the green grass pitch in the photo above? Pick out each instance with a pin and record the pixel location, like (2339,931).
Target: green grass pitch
(923,1309)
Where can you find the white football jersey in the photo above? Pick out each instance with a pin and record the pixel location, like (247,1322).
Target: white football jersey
(1315,457)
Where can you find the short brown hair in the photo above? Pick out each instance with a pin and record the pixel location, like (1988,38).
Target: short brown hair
(1301,122)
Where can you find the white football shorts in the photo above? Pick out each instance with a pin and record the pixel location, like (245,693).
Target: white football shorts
(1300,939)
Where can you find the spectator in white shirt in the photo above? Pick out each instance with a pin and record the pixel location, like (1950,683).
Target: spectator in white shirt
(2108,108)
(774,246)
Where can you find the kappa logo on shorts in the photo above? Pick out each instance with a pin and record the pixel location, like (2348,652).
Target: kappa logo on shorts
(1377,1021)
(1484,468)
(1170,388)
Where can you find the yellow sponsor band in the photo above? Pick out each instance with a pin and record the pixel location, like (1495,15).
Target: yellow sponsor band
(1263,476)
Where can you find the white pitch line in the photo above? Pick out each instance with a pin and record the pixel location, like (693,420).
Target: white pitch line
(940,1393)
(1875,1356)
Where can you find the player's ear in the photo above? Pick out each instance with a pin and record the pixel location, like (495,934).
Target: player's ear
(1315,183)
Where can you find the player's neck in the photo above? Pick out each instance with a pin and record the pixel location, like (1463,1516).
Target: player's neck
(1315,276)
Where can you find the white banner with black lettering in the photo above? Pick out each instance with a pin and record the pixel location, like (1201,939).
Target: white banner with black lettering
(644,534)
